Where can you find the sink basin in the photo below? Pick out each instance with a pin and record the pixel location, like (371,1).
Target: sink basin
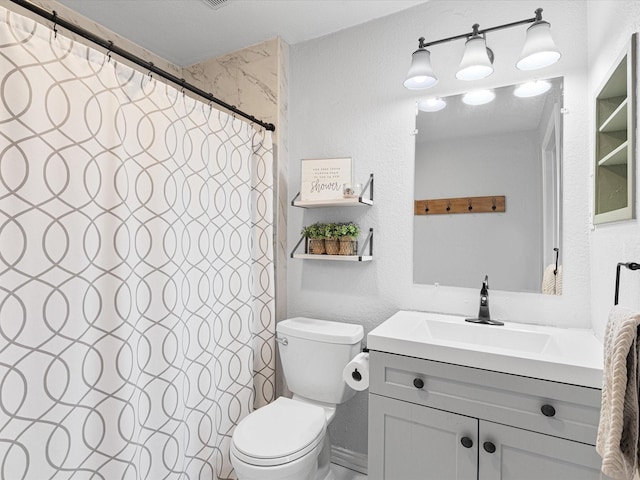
(491,336)
(568,355)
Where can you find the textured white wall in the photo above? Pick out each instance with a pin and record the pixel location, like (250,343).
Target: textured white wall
(610,25)
(347,99)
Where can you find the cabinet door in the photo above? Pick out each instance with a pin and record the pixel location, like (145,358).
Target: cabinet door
(524,455)
(412,442)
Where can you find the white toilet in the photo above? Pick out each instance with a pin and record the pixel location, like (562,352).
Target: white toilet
(288,439)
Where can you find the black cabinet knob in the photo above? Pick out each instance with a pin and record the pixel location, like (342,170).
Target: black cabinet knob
(466,442)
(548,410)
(418,383)
(489,447)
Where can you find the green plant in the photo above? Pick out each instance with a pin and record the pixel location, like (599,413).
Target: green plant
(330,231)
(347,230)
(316,231)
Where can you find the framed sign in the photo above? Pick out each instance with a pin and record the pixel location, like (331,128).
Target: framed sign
(324,178)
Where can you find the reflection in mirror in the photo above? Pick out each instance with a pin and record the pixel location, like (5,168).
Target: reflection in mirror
(510,147)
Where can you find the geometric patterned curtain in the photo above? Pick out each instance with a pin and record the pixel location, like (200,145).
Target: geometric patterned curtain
(136,269)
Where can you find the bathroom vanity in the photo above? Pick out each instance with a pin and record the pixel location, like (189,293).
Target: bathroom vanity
(451,400)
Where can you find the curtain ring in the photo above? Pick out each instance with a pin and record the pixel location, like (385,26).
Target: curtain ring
(109,51)
(55,24)
(149,73)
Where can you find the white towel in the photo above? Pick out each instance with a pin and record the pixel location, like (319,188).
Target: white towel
(552,282)
(617,441)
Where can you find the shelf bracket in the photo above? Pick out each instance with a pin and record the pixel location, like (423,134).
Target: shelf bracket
(297,245)
(368,242)
(368,186)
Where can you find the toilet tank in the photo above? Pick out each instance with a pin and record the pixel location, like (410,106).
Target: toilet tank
(314,354)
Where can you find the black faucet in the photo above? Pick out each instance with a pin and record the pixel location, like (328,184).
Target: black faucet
(484,316)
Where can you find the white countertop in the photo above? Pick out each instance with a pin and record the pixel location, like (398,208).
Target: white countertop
(567,355)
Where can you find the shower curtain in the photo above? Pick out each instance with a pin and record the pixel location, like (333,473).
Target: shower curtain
(136,269)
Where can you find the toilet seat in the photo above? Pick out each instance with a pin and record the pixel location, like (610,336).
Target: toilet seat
(279,433)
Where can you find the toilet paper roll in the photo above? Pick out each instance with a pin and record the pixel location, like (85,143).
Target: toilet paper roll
(356,373)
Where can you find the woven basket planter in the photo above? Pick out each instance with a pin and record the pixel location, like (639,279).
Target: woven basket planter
(316,246)
(348,246)
(332,246)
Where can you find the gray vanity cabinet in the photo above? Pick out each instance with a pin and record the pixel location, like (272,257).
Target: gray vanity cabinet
(435,421)
(411,442)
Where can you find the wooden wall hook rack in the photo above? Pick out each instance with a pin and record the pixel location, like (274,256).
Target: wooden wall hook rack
(443,206)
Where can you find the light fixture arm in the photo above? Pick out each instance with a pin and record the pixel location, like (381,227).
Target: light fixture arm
(476,31)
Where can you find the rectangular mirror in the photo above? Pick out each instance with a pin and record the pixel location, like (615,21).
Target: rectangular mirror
(511,148)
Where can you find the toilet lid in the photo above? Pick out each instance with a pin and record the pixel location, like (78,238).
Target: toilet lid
(279,432)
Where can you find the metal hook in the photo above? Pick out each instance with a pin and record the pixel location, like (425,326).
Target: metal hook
(470,204)
(182,81)
(493,204)
(448,205)
(55,24)
(151,65)
(426,207)
(109,51)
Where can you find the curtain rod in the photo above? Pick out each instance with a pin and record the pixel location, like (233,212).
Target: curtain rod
(109,45)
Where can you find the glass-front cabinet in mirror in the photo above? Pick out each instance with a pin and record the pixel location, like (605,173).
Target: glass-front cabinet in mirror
(488,189)
(614,142)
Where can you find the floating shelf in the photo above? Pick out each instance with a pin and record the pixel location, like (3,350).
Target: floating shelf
(616,157)
(345,202)
(367,246)
(343,258)
(617,121)
(360,201)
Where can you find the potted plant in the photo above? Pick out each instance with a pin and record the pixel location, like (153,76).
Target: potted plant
(331,241)
(348,234)
(315,235)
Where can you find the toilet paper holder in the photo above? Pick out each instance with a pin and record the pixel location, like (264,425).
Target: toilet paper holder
(356,375)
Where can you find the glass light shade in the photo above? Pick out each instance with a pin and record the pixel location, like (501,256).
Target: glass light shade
(420,73)
(431,104)
(539,49)
(475,63)
(531,89)
(478,97)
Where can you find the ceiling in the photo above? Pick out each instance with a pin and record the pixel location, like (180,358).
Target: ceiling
(185,32)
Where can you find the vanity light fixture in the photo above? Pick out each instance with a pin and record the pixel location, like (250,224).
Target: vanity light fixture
(477,62)
(478,97)
(539,50)
(420,73)
(434,104)
(531,89)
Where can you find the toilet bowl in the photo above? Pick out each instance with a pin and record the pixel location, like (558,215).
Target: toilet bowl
(281,441)
(288,439)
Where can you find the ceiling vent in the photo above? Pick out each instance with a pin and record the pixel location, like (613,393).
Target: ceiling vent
(216,4)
